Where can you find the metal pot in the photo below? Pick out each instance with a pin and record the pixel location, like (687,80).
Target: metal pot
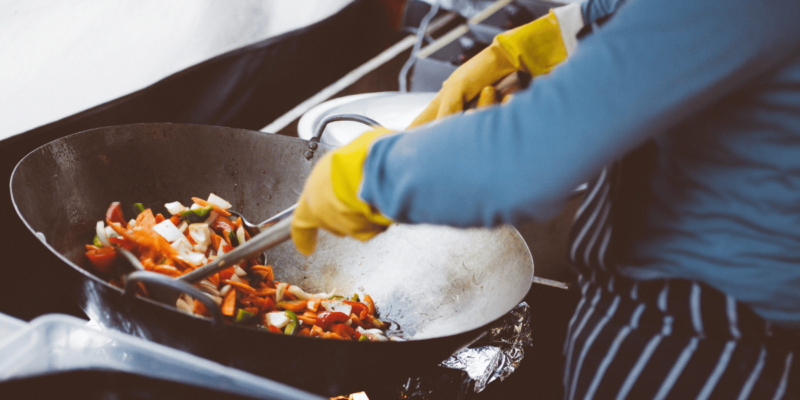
(442,285)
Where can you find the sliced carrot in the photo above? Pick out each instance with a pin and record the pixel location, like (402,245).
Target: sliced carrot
(238,223)
(245,288)
(274,329)
(215,241)
(304,332)
(331,335)
(228,241)
(227,273)
(167,270)
(268,305)
(229,303)
(289,295)
(216,208)
(307,320)
(316,331)
(370,304)
(176,220)
(159,218)
(214,279)
(295,306)
(199,308)
(145,219)
(270,276)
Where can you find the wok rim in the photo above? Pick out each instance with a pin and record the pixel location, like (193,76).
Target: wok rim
(209,321)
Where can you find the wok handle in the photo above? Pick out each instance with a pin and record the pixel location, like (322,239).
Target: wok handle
(267,239)
(313,142)
(163,281)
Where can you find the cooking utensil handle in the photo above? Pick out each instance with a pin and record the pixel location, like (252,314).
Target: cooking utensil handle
(267,239)
(313,142)
(152,278)
(511,83)
(287,213)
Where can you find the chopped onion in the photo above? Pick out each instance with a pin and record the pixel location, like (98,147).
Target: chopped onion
(325,295)
(192,258)
(200,248)
(175,207)
(216,299)
(101,233)
(220,251)
(279,291)
(277,319)
(168,230)
(212,216)
(295,290)
(182,245)
(337,306)
(183,306)
(182,226)
(239,271)
(218,201)
(110,232)
(208,287)
(132,223)
(195,206)
(199,233)
(224,291)
(311,305)
(240,235)
(237,279)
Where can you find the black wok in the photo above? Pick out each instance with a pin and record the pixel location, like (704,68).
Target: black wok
(442,285)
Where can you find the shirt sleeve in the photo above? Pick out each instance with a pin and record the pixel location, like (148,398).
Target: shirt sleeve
(651,67)
(594,10)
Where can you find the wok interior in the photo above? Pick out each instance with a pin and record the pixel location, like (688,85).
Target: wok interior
(434,281)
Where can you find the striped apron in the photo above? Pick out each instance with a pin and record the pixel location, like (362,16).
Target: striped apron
(668,338)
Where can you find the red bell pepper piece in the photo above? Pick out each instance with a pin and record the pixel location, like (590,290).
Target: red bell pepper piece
(343,331)
(114,213)
(357,307)
(102,259)
(326,318)
(275,329)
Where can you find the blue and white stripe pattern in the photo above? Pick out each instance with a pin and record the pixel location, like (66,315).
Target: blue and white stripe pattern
(663,339)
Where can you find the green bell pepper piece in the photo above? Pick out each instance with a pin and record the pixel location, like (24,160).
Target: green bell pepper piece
(96,241)
(355,297)
(363,338)
(196,215)
(291,328)
(138,208)
(233,238)
(243,315)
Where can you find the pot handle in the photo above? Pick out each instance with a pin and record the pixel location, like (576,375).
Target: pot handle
(313,142)
(176,285)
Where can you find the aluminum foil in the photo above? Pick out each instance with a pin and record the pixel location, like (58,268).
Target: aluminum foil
(503,353)
(494,356)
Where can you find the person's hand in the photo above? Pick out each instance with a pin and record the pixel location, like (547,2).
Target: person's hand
(330,198)
(535,48)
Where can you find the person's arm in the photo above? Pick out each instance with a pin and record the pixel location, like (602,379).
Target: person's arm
(653,65)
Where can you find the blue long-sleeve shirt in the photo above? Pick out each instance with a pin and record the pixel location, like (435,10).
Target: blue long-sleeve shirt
(716,84)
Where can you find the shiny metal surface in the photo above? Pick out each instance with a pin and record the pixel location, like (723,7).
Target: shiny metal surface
(394,110)
(442,285)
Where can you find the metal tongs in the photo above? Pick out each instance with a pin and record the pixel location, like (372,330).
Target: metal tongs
(269,233)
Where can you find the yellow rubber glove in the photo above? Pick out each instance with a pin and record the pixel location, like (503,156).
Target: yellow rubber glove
(535,48)
(330,198)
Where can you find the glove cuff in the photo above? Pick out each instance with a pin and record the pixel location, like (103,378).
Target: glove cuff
(347,170)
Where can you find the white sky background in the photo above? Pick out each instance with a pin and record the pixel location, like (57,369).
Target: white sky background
(58,58)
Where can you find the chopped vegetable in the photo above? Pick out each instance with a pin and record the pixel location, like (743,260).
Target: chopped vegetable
(247,293)
(244,315)
(114,213)
(229,303)
(138,208)
(293,323)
